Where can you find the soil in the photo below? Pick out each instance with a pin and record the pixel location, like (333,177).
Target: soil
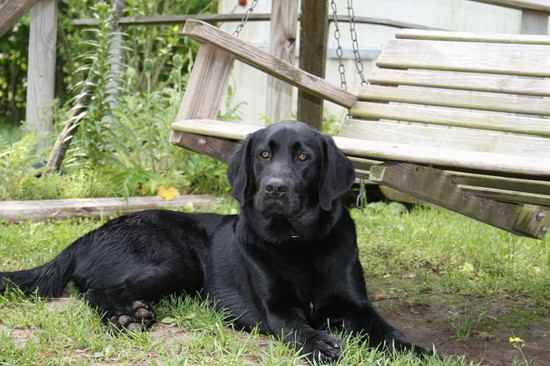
(431,325)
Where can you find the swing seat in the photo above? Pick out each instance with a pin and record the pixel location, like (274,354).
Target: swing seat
(458,120)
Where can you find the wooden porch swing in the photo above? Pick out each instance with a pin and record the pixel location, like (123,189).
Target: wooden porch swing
(455,119)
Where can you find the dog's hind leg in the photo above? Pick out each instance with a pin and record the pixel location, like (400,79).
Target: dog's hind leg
(120,309)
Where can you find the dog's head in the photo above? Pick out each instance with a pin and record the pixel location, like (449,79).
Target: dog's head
(287,176)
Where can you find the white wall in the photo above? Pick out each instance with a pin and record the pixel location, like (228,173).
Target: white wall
(461,15)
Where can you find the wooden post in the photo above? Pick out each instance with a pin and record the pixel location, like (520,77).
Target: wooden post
(115,53)
(534,22)
(41,69)
(313,56)
(284,22)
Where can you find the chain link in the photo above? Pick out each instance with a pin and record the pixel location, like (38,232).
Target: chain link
(339,49)
(244,19)
(355,44)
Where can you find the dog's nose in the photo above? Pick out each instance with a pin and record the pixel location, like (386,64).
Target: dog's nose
(276,187)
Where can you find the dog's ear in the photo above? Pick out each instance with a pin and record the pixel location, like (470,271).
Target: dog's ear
(239,171)
(337,174)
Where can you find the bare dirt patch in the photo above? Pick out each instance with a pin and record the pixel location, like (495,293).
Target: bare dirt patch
(488,343)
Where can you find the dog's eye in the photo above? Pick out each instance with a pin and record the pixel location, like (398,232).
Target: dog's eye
(302,156)
(265,154)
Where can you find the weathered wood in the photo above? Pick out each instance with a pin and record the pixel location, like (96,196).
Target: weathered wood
(255,17)
(434,186)
(509,196)
(542,5)
(497,58)
(504,183)
(203,97)
(363,166)
(41,70)
(206,85)
(284,24)
(251,55)
(115,53)
(461,81)
(472,37)
(155,20)
(11,11)
(534,22)
(458,99)
(450,138)
(455,117)
(313,56)
(380,150)
(15,211)
(532,217)
(217,148)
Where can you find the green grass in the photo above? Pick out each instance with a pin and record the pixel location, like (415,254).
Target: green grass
(425,256)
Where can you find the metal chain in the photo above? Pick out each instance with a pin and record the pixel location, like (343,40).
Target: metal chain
(361,200)
(244,19)
(355,44)
(339,50)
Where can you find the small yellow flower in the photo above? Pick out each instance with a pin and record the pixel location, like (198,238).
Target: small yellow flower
(516,341)
(167,193)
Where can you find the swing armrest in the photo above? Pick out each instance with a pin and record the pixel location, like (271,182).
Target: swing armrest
(280,69)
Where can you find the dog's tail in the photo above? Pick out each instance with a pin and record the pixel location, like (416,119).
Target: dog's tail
(48,280)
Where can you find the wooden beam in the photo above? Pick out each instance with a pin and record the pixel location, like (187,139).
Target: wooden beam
(41,69)
(175,19)
(11,11)
(155,20)
(540,5)
(534,22)
(251,55)
(16,211)
(313,57)
(435,186)
(284,23)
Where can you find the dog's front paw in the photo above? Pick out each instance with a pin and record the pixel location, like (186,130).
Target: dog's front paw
(323,348)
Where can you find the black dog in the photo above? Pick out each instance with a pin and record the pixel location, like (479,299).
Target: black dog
(287,264)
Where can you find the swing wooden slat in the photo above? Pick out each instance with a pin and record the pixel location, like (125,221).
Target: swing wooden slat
(454,117)
(457,99)
(461,81)
(499,58)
